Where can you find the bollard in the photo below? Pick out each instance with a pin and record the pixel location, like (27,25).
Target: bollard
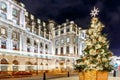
(44,76)
(114,73)
(68,74)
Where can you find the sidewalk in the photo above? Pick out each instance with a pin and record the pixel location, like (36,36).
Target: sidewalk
(77,78)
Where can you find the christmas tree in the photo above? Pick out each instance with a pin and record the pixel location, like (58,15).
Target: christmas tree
(96,55)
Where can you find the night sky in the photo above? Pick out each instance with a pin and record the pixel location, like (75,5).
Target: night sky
(79,11)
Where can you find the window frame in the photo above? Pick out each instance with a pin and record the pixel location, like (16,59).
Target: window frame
(5,4)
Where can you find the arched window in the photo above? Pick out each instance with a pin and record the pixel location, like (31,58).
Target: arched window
(4,64)
(29,66)
(4,61)
(15,66)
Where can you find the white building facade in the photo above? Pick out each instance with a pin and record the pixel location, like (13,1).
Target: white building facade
(28,44)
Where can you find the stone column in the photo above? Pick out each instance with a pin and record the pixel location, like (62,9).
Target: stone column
(71,27)
(44,32)
(22,18)
(64,49)
(33,25)
(21,40)
(44,51)
(39,30)
(24,41)
(38,46)
(9,39)
(32,46)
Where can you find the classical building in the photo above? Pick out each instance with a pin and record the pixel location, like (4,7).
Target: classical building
(28,44)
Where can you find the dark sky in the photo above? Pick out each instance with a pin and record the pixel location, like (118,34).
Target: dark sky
(79,11)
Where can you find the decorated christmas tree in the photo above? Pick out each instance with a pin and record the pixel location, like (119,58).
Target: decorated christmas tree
(96,55)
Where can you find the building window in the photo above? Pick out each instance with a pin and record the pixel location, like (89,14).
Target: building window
(28,49)
(28,29)
(14,35)
(73,28)
(35,43)
(4,6)
(15,46)
(41,45)
(3,15)
(77,51)
(42,33)
(46,46)
(67,49)
(35,30)
(3,31)
(68,40)
(3,44)
(82,34)
(62,31)
(61,50)
(56,33)
(68,30)
(35,50)
(74,50)
(28,40)
(56,51)
(15,12)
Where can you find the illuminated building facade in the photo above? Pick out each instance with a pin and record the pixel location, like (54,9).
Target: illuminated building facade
(29,44)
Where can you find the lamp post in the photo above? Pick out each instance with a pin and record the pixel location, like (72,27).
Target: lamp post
(37,66)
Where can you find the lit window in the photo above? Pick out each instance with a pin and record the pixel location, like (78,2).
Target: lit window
(3,6)
(3,31)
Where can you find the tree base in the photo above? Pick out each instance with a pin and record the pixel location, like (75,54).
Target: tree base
(93,75)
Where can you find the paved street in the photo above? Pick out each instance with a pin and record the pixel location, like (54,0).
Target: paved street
(63,78)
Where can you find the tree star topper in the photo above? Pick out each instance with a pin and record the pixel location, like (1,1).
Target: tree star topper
(94,12)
